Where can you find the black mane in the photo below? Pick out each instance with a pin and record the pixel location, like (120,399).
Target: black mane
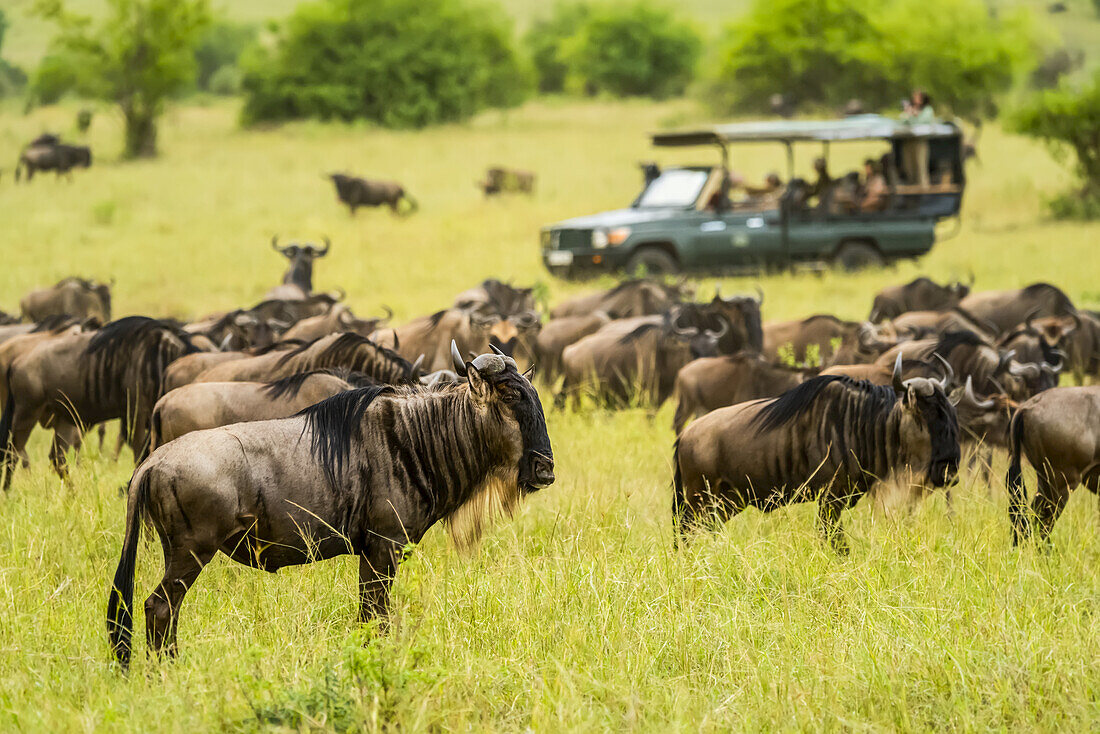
(130,329)
(334,423)
(53,323)
(638,333)
(796,401)
(952,339)
(292,385)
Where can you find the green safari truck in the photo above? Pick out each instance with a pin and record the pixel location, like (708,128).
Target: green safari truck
(691,218)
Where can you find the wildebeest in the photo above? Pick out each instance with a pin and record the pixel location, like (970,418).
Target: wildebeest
(1074,338)
(48,153)
(288,312)
(366,472)
(922,324)
(238,330)
(76,297)
(432,335)
(1059,432)
(493,296)
(338,319)
(79,380)
(7,318)
(356,192)
(922,294)
(830,439)
(823,332)
(503,180)
(298,278)
(203,405)
(559,333)
(641,297)
(741,313)
(186,369)
(1006,309)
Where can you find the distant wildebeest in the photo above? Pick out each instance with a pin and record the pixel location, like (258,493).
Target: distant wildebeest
(1076,338)
(1006,309)
(922,294)
(7,318)
(630,298)
(203,405)
(923,324)
(432,335)
(365,473)
(1059,433)
(290,312)
(500,180)
(493,296)
(238,330)
(557,334)
(76,297)
(79,380)
(48,153)
(830,439)
(822,333)
(741,313)
(298,278)
(357,192)
(338,319)
(347,351)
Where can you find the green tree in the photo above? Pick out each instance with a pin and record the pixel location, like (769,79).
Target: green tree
(12,77)
(141,54)
(1068,120)
(547,40)
(220,49)
(401,63)
(633,50)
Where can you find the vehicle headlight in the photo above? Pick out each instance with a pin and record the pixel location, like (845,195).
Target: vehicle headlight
(599,238)
(618,235)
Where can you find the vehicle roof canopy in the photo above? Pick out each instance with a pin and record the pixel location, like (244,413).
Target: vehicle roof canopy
(856,127)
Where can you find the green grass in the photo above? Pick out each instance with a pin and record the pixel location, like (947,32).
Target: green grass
(577,613)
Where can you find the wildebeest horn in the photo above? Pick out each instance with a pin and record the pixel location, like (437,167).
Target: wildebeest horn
(948,373)
(343,293)
(456,358)
(674,324)
(723,329)
(1027,371)
(275,244)
(389,313)
(968,394)
(718,291)
(328,244)
(284,325)
(971,280)
(414,371)
(895,380)
(1005,360)
(396,341)
(496,349)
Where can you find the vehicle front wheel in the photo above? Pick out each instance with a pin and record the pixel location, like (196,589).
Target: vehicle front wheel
(652,261)
(853,256)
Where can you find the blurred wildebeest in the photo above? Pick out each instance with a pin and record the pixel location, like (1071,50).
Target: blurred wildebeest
(186,369)
(823,331)
(503,180)
(983,425)
(1034,342)
(636,358)
(203,405)
(366,472)
(7,318)
(347,351)
(830,439)
(238,330)
(357,192)
(882,373)
(923,324)
(706,384)
(76,381)
(1075,337)
(741,313)
(432,335)
(493,296)
(1059,433)
(298,278)
(641,297)
(338,319)
(290,312)
(1006,309)
(922,294)
(76,297)
(48,153)
(15,347)
(557,334)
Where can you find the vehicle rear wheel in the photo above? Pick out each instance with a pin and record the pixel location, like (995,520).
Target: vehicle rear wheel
(652,261)
(854,256)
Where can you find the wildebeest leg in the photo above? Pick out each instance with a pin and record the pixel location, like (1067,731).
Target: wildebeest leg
(22,426)
(1050,499)
(182,566)
(377,568)
(102,431)
(828,517)
(65,436)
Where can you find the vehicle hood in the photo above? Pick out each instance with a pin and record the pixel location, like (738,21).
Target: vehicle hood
(619,218)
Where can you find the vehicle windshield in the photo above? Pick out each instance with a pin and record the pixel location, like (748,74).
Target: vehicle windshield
(678,187)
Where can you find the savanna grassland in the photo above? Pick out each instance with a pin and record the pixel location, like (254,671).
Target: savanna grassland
(577,613)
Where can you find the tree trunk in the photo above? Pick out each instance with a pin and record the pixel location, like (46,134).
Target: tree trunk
(141,134)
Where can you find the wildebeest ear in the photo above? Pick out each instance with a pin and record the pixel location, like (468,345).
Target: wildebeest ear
(529,373)
(480,388)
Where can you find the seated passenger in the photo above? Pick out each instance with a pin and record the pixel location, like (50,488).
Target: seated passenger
(766,196)
(876,191)
(824,183)
(845,194)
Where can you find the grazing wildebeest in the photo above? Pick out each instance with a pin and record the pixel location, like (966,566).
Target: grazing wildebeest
(497,297)
(824,332)
(76,297)
(48,153)
(559,333)
(922,294)
(51,328)
(76,381)
(707,384)
(641,297)
(432,335)
(338,319)
(741,313)
(357,192)
(503,180)
(830,439)
(298,278)
(1059,432)
(1006,309)
(203,405)
(335,351)
(365,473)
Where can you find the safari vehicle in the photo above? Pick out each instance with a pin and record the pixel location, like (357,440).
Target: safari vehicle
(686,218)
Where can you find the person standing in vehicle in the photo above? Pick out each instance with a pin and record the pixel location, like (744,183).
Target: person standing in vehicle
(917,111)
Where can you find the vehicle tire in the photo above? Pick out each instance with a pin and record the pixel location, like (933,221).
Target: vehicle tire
(854,256)
(652,261)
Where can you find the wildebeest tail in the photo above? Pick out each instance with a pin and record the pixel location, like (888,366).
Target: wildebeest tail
(120,615)
(7,418)
(677,489)
(156,430)
(1014,479)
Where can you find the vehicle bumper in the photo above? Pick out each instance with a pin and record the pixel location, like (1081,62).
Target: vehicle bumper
(562,262)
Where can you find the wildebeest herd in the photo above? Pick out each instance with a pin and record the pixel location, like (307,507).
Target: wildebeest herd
(294,430)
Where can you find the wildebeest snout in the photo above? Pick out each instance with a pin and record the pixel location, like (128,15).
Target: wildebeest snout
(542,471)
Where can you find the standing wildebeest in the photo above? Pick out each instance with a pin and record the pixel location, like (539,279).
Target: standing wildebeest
(47,153)
(922,324)
(76,381)
(493,296)
(922,294)
(641,297)
(338,319)
(203,405)
(357,192)
(238,330)
(286,312)
(76,297)
(830,439)
(365,473)
(431,335)
(824,332)
(186,369)
(1074,338)
(559,333)
(741,313)
(298,278)
(1059,432)
(502,180)
(1006,309)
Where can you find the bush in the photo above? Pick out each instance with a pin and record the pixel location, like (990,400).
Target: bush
(823,52)
(546,42)
(12,78)
(1068,120)
(57,75)
(220,47)
(634,50)
(401,63)
(225,81)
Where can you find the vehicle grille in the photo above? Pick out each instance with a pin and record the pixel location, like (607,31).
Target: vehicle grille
(571,239)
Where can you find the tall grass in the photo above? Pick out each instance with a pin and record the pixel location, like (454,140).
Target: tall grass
(577,613)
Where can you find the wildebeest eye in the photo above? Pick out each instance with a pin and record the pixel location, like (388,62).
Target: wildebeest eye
(509,395)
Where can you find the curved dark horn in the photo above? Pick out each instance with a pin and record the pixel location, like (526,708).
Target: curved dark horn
(328,244)
(414,371)
(674,324)
(1005,360)
(968,391)
(1062,357)
(718,291)
(389,313)
(496,349)
(456,358)
(396,341)
(948,373)
(724,329)
(1027,371)
(895,380)
(275,243)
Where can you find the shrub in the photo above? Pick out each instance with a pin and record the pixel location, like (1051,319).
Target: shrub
(546,42)
(401,63)
(12,78)
(1068,120)
(220,47)
(225,81)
